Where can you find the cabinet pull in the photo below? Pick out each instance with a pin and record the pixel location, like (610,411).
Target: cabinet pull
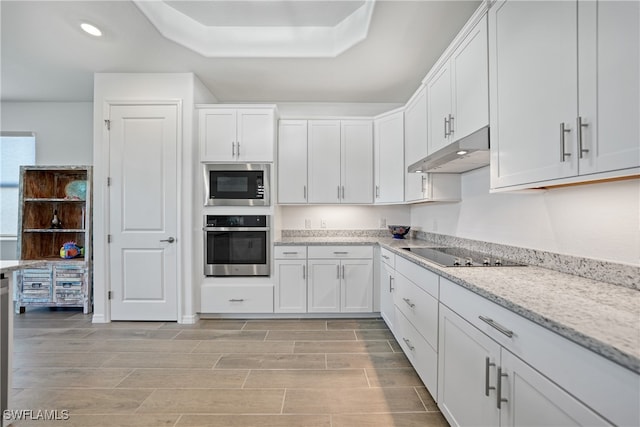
(424,184)
(236,300)
(338,272)
(304,191)
(377,191)
(390,283)
(340,252)
(408,343)
(233,149)
(343,272)
(238,149)
(487,365)
(500,400)
(409,303)
(304,271)
(290,253)
(446,122)
(450,124)
(563,153)
(385,257)
(579,127)
(496,326)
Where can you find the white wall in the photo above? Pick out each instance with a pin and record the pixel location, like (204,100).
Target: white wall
(64,130)
(64,136)
(600,221)
(343,217)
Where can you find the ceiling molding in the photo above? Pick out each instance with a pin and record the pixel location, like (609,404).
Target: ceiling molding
(259,41)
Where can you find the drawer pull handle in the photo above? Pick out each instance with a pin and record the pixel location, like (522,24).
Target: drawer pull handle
(408,343)
(496,326)
(409,303)
(499,398)
(236,300)
(487,365)
(385,257)
(290,253)
(340,253)
(36,285)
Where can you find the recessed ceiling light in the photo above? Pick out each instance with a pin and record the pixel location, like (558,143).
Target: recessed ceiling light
(461,153)
(91,29)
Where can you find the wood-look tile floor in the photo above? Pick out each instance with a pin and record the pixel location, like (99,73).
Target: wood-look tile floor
(231,373)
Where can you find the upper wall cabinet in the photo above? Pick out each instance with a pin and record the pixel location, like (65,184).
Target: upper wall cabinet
(415,142)
(292,161)
(458,91)
(340,160)
(549,123)
(389,169)
(237,134)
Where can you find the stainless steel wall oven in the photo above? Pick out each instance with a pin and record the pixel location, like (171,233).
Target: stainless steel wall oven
(236,245)
(237,184)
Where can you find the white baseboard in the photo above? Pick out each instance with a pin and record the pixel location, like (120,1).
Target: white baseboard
(189,320)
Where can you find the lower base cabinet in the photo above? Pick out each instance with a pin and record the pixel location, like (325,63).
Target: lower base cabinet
(237,298)
(482,383)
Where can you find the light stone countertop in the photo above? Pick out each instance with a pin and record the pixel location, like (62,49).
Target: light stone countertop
(600,316)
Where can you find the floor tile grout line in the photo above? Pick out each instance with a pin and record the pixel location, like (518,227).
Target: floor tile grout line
(125,377)
(284,398)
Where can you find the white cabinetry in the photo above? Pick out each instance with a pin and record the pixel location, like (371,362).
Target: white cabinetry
(291,279)
(458,91)
(340,279)
(237,298)
(415,143)
(389,158)
(237,134)
(497,368)
(540,133)
(340,161)
(387,277)
(292,161)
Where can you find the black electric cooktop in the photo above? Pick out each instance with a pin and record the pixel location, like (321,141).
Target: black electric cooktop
(459,257)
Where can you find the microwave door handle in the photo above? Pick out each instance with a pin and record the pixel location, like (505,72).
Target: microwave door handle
(236,228)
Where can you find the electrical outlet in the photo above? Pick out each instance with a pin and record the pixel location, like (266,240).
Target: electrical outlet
(323,223)
(383,222)
(307,223)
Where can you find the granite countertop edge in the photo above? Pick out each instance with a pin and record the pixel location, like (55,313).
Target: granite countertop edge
(607,350)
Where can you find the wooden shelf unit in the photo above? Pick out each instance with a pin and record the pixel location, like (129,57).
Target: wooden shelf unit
(43,191)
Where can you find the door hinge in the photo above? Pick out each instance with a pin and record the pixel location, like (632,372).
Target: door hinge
(108,238)
(109,295)
(108,181)
(107,123)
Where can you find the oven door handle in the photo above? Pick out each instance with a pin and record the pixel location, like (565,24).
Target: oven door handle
(236,228)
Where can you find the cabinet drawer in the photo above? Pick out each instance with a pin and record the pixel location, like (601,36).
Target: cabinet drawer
(237,298)
(69,296)
(290,252)
(423,358)
(420,308)
(328,252)
(422,277)
(608,388)
(388,257)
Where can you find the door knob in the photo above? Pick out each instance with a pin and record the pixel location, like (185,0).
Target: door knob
(170,240)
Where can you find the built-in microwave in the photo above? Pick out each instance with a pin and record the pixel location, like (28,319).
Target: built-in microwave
(237,184)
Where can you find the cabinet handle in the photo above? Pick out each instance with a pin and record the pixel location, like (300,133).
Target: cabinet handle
(496,326)
(579,127)
(450,124)
(304,271)
(446,122)
(340,252)
(408,343)
(304,191)
(409,303)
(233,149)
(377,191)
(343,272)
(238,150)
(563,153)
(290,253)
(487,365)
(338,272)
(391,283)
(424,184)
(236,300)
(500,400)
(338,192)
(385,257)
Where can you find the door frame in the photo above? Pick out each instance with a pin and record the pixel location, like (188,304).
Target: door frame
(102,206)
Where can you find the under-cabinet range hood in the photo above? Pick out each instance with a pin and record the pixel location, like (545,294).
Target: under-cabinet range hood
(468,153)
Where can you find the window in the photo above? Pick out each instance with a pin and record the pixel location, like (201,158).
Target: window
(16,149)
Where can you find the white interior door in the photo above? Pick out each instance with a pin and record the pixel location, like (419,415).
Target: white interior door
(143,210)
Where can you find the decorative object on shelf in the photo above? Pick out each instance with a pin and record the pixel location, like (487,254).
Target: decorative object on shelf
(399,231)
(71,250)
(76,190)
(55,222)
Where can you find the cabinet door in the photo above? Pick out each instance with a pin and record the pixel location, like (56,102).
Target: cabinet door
(439,109)
(387,277)
(217,134)
(324,286)
(324,161)
(470,82)
(467,364)
(389,159)
(533,83)
(255,135)
(356,161)
(415,143)
(609,42)
(357,286)
(533,400)
(292,161)
(291,286)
